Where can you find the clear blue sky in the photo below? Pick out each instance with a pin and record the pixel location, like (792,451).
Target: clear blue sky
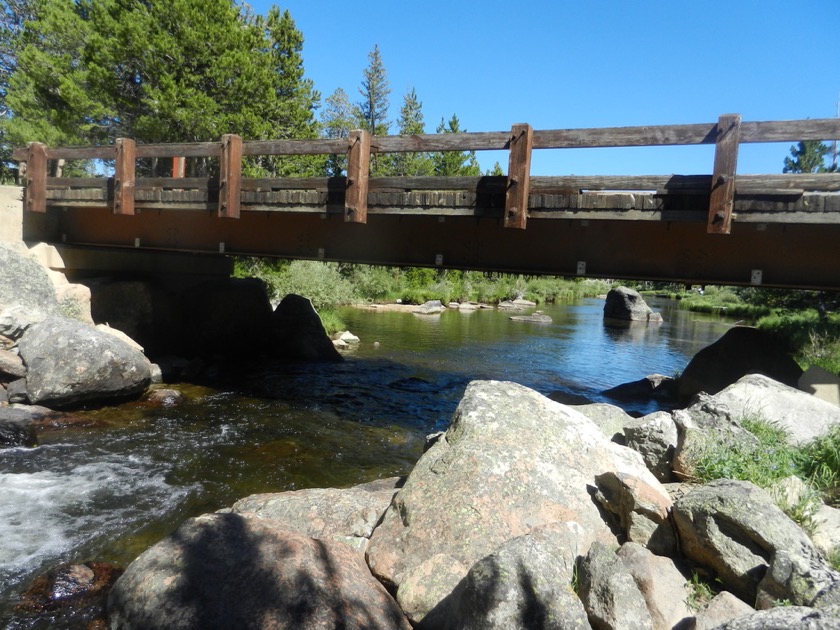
(558,65)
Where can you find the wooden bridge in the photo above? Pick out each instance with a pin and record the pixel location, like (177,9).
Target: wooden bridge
(718,228)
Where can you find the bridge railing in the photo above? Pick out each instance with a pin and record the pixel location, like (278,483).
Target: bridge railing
(727,134)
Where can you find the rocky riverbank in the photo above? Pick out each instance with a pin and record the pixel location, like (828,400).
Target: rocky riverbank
(525,513)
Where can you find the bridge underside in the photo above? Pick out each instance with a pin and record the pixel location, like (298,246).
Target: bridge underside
(777,242)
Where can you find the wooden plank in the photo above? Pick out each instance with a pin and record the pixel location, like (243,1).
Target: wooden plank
(791,130)
(358,175)
(179,149)
(124,179)
(315,146)
(230,176)
(519,176)
(723,177)
(35,197)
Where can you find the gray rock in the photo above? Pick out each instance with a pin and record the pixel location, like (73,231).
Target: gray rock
(609,418)
(655,437)
(627,304)
(802,416)
(16,391)
(69,363)
(524,584)
(826,534)
(787,618)
(298,332)
(535,318)
(346,515)
(11,365)
(661,584)
(25,288)
(16,429)
(432,307)
(511,461)
(705,423)
(651,387)
(723,607)
(226,571)
(742,350)
(609,593)
(735,529)
(641,510)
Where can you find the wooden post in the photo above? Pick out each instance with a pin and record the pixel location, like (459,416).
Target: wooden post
(36,177)
(230,176)
(723,180)
(519,176)
(358,174)
(124,179)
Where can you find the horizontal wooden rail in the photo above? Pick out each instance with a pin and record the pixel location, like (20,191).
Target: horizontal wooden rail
(660,135)
(231,189)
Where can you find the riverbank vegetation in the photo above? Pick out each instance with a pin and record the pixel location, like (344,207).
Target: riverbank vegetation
(769,460)
(331,285)
(808,321)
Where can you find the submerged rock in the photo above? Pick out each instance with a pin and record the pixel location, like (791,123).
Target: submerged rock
(16,428)
(70,585)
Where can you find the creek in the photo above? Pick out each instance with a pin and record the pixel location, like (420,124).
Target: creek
(111,486)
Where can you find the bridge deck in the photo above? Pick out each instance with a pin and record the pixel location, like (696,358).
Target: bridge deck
(775,230)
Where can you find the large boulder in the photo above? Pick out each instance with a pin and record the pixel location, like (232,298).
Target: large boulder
(736,530)
(510,462)
(526,583)
(347,515)
(69,363)
(298,332)
(802,416)
(222,571)
(27,294)
(627,304)
(742,350)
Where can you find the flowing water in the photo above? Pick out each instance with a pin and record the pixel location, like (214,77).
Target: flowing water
(131,474)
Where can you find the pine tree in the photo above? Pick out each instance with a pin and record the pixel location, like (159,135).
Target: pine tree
(297,99)
(337,120)
(454,163)
(807,157)
(372,110)
(158,71)
(411,123)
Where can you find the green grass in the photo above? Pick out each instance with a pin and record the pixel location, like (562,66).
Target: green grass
(332,322)
(700,592)
(770,460)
